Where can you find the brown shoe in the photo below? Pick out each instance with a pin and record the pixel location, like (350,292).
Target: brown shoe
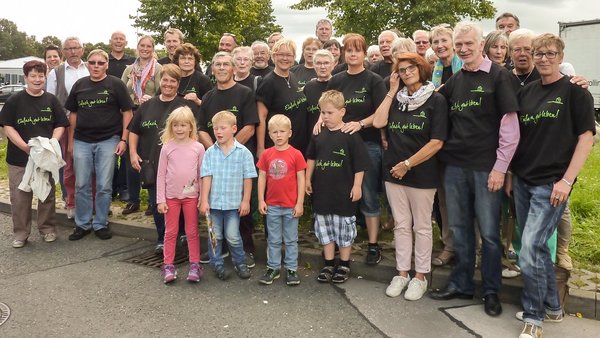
(130,208)
(443,258)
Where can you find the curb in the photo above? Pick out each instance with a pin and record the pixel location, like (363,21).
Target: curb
(578,301)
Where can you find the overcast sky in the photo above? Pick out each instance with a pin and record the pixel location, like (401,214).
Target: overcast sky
(96,20)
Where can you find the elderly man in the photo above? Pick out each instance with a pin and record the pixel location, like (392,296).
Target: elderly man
(262,56)
(173,39)
(60,81)
(508,23)
(324,30)
(484,133)
(384,67)
(421,39)
(100,110)
(238,99)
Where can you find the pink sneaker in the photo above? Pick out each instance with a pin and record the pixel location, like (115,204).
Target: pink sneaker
(169,273)
(195,273)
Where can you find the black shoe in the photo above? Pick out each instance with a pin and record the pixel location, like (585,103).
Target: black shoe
(149,211)
(124,195)
(130,208)
(449,293)
(78,234)
(492,305)
(103,233)
(373,255)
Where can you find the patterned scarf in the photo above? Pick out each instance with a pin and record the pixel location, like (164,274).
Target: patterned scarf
(438,70)
(417,99)
(140,76)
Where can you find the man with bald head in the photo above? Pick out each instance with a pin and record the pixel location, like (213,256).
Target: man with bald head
(384,67)
(227,43)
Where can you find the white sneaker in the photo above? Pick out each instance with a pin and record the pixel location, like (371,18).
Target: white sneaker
(18,243)
(531,331)
(396,286)
(70,213)
(416,289)
(49,237)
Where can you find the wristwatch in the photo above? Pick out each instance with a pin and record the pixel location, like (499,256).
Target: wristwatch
(407,164)
(362,124)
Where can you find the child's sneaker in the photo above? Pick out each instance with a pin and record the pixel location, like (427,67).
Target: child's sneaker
(396,286)
(195,273)
(242,271)
(269,276)
(221,273)
(416,289)
(169,273)
(531,331)
(341,274)
(373,255)
(292,278)
(325,274)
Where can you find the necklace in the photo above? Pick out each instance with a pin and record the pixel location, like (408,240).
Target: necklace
(186,86)
(287,80)
(525,80)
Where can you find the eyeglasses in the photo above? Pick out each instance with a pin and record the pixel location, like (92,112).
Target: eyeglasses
(549,55)
(284,56)
(240,59)
(421,42)
(409,69)
(522,50)
(99,63)
(323,64)
(222,64)
(72,49)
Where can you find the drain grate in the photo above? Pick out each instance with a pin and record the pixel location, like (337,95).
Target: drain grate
(4,313)
(149,258)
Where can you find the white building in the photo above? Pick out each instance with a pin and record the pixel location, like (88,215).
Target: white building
(11,71)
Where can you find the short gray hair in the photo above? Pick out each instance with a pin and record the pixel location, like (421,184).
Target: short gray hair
(323,53)
(521,33)
(72,38)
(466,27)
(221,54)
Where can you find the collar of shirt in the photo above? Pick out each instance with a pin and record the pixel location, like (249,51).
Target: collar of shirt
(484,66)
(236,144)
(81,65)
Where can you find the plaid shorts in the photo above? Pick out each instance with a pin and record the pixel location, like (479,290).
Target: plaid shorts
(335,228)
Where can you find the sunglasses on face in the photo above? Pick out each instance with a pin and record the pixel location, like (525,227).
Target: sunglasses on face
(99,63)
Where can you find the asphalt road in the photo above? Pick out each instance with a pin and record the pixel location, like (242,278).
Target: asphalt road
(86,289)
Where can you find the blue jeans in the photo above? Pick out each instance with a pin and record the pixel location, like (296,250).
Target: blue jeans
(226,222)
(371,184)
(90,158)
(282,226)
(538,220)
(467,199)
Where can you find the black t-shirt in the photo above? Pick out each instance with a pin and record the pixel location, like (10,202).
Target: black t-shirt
(338,156)
(239,100)
(261,72)
(340,67)
(303,74)
(551,119)
(407,132)
(289,100)
(30,116)
(99,106)
(196,83)
(149,120)
(477,101)
(363,93)
(165,60)
(313,91)
(382,68)
(250,82)
(446,73)
(116,67)
(516,80)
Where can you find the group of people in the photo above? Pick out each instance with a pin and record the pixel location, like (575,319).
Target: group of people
(446,123)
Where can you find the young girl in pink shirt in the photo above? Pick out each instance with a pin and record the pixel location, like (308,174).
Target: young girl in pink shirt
(178,189)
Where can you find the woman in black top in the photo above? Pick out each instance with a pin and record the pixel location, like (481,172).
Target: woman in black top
(193,84)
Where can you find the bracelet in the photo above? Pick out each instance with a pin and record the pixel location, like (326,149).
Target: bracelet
(567,182)
(388,95)
(123,140)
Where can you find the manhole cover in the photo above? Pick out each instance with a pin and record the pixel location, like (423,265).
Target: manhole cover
(4,313)
(149,258)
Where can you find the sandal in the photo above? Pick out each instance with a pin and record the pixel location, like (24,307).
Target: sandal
(341,274)
(443,258)
(325,274)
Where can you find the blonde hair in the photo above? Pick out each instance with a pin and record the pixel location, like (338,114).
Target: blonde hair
(280,120)
(224,116)
(334,97)
(287,43)
(180,115)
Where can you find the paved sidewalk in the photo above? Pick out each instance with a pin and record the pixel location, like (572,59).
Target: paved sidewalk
(584,298)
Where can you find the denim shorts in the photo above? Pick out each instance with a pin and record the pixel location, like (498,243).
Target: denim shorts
(335,228)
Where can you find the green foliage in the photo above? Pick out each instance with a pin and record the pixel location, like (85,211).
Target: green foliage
(13,43)
(369,18)
(203,22)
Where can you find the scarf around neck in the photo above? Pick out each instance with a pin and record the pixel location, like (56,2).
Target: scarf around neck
(438,70)
(417,99)
(140,76)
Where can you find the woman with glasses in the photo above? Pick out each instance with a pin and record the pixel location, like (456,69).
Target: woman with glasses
(193,84)
(306,71)
(415,119)
(278,93)
(556,120)
(243,58)
(323,61)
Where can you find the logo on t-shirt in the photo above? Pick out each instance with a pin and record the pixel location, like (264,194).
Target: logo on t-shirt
(149,124)
(234,109)
(479,89)
(278,169)
(340,152)
(363,90)
(46,110)
(558,100)
(421,115)
(104,92)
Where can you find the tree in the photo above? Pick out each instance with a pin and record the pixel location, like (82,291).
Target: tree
(369,18)
(13,44)
(203,22)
